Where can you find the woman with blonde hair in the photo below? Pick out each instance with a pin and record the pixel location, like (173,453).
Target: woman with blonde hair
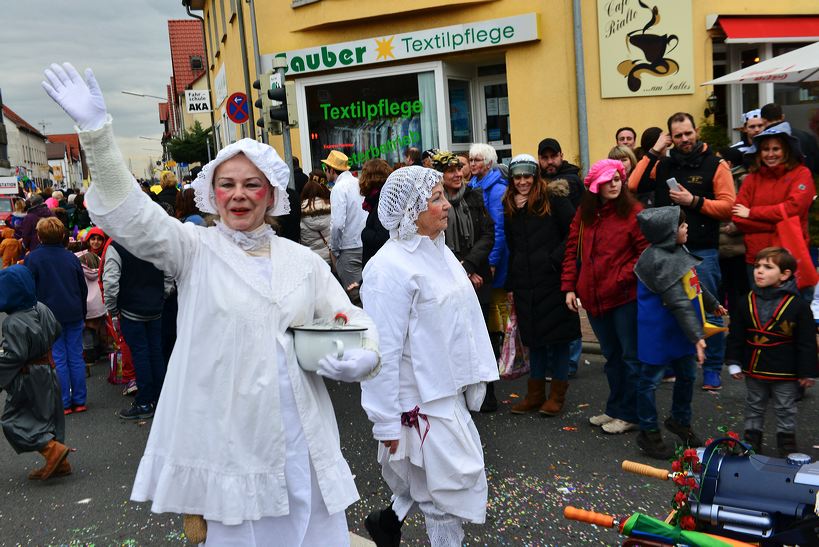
(626,156)
(167,195)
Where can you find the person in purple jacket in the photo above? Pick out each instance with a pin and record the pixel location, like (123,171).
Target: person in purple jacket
(61,286)
(27,229)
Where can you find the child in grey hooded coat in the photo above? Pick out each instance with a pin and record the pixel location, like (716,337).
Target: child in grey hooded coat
(32,418)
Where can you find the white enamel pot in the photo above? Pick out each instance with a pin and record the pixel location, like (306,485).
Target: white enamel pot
(314,342)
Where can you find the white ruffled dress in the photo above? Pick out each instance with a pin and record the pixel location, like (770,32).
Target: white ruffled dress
(241,431)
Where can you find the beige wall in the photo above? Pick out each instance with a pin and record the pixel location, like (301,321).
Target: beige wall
(541,75)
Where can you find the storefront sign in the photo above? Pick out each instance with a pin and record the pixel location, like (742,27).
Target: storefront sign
(646,47)
(8,185)
(197,100)
(362,109)
(422,43)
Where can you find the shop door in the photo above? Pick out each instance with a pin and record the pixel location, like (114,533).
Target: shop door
(493,112)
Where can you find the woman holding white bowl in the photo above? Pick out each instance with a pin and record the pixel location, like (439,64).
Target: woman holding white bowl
(242,435)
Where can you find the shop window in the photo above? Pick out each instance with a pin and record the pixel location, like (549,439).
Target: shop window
(372,118)
(799,100)
(460,111)
(496,103)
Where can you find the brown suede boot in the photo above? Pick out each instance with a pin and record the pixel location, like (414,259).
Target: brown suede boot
(557,395)
(54,454)
(535,395)
(62,470)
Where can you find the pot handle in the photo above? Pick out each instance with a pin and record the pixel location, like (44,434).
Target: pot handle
(339,348)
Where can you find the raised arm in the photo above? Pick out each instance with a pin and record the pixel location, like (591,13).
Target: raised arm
(114,200)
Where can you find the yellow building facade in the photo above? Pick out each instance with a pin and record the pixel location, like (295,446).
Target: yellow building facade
(373,77)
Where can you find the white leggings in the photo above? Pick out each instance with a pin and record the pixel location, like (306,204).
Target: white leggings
(443,529)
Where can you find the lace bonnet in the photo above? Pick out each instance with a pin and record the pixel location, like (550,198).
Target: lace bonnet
(404,197)
(264,157)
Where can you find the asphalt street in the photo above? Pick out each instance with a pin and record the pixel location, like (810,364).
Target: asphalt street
(535,466)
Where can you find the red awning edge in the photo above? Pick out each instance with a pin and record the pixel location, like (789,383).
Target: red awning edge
(749,30)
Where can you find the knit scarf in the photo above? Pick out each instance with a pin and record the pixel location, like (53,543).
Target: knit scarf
(459,229)
(691,159)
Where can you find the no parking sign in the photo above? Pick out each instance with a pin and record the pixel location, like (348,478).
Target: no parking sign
(237,108)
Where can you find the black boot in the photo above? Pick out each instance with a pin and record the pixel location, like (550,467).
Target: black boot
(684,432)
(754,438)
(384,527)
(786,444)
(651,442)
(490,403)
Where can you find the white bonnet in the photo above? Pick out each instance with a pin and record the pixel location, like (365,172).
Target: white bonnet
(403,197)
(264,157)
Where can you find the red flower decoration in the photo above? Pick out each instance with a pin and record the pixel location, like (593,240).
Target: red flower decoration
(680,498)
(676,466)
(709,440)
(690,455)
(688,523)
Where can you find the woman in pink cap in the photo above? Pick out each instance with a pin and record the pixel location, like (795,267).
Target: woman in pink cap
(598,269)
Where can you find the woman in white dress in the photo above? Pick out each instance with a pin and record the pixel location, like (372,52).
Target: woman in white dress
(242,435)
(436,357)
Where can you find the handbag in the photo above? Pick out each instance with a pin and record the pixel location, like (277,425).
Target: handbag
(789,235)
(514,356)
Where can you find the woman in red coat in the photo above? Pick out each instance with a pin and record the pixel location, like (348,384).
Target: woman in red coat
(598,271)
(777,177)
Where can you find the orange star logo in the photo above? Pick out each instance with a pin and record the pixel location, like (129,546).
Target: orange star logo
(383,47)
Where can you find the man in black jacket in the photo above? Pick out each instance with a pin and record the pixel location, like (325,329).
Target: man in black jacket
(134,293)
(553,167)
(704,188)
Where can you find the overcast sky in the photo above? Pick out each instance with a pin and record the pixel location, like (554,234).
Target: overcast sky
(124,42)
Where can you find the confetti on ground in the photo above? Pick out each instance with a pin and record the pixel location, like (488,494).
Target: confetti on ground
(584,405)
(569,428)
(514,395)
(85,500)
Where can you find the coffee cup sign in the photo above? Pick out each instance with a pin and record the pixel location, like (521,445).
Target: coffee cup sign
(645,47)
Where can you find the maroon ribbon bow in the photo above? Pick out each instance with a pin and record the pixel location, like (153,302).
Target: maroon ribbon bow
(410,419)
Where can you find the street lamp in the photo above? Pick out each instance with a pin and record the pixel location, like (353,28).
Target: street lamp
(711,101)
(146,95)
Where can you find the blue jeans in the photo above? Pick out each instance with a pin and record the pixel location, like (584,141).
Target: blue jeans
(709,275)
(145,340)
(575,350)
(651,376)
(70,365)
(616,330)
(554,358)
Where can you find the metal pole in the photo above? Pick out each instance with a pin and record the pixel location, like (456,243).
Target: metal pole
(279,64)
(257,59)
(251,120)
(207,141)
(580,75)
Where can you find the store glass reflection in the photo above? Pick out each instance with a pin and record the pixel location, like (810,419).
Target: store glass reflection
(799,101)
(372,118)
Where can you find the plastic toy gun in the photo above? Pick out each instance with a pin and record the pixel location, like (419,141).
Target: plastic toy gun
(751,497)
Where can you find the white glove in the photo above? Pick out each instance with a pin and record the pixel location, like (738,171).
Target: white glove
(353,365)
(81,99)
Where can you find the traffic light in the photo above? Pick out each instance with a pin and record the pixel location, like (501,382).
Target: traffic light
(278,104)
(265,104)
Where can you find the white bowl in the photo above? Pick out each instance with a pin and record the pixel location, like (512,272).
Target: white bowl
(314,342)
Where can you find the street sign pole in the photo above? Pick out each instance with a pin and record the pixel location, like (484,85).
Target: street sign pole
(279,64)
